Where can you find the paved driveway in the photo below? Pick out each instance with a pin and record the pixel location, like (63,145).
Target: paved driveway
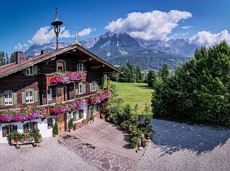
(187,148)
(109,137)
(50,156)
(103,145)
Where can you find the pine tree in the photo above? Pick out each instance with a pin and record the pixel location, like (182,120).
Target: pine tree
(13,57)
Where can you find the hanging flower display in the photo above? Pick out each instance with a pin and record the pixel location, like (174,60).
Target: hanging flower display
(64,78)
(21,115)
(67,107)
(29,113)
(99,97)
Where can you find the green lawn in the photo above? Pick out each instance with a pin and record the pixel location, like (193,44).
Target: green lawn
(134,93)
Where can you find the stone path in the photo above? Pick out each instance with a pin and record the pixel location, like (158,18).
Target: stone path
(102,159)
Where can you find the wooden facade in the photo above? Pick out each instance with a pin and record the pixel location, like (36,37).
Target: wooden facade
(29,81)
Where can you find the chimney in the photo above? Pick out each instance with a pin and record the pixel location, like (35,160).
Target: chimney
(19,56)
(44,52)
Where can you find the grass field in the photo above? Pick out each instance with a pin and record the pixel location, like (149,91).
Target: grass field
(134,93)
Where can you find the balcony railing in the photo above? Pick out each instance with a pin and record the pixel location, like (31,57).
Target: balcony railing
(34,112)
(65,78)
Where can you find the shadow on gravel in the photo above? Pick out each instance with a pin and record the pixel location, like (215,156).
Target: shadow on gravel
(173,136)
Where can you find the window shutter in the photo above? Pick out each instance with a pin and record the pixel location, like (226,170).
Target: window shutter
(2,103)
(90,87)
(35,70)
(15,98)
(36,96)
(84,88)
(23,97)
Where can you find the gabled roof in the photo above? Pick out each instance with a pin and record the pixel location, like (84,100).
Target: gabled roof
(9,69)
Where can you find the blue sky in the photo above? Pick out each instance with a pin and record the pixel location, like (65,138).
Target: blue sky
(21,19)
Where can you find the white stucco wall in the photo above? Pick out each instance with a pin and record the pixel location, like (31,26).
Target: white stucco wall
(42,126)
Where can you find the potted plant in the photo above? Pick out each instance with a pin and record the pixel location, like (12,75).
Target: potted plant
(55,129)
(135,142)
(70,124)
(37,136)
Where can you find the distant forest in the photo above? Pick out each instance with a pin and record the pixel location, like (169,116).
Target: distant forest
(5,59)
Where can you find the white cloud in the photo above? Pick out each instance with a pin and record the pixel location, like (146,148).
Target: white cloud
(46,34)
(43,35)
(85,32)
(186,27)
(206,38)
(155,25)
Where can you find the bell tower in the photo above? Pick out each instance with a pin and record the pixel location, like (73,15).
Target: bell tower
(56,24)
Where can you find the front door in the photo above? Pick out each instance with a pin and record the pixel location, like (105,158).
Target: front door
(60,94)
(61,122)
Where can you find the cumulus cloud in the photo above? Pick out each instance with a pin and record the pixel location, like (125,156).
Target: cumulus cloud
(85,32)
(22,46)
(46,34)
(206,38)
(155,25)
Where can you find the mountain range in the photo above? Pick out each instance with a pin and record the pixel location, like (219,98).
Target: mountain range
(121,48)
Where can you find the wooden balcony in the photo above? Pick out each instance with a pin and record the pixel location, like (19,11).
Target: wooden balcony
(64,78)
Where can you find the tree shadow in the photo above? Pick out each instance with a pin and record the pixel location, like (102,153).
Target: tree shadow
(126,136)
(142,86)
(172,137)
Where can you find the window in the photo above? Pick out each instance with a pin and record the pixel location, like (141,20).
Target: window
(8,129)
(60,66)
(29,97)
(81,113)
(74,116)
(30,70)
(80,88)
(49,94)
(80,67)
(30,126)
(50,123)
(8,98)
(93,86)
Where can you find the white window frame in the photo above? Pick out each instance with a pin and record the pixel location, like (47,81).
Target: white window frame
(30,98)
(49,94)
(80,67)
(93,86)
(61,61)
(78,90)
(8,101)
(30,71)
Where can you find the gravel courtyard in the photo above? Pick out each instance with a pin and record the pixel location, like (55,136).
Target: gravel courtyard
(50,156)
(181,147)
(175,147)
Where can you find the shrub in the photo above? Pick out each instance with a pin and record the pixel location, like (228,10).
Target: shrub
(70,123)
(37,136)
(55,129)
(198,90)
(135,142)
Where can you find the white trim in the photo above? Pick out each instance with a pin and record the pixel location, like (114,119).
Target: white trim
(93,86)
(78,92)
(50,95)
(29,98)
(80,67)
(8,101)
(61,61)
(29,71)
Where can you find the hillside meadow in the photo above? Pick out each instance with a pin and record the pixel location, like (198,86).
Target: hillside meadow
(134,93)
